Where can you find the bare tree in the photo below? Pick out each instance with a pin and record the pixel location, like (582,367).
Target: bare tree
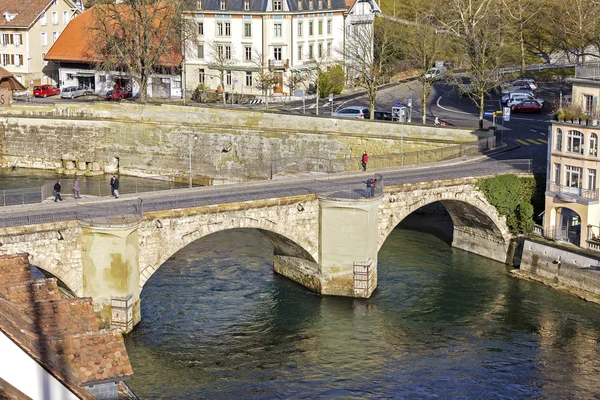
(521,13)
(369,49)
(223,60)
(266,79)
(139,37)
(478,29)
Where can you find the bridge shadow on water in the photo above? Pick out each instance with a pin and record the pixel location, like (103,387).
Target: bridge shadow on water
(432,218)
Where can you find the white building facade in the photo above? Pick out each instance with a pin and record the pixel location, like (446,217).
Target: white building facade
(248,39)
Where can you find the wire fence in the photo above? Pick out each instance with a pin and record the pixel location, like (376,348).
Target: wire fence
(120,215)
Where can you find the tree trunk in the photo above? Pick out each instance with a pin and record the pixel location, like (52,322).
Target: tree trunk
(143,87)
(522,44)
(481,108)
(317,103)
(222,76)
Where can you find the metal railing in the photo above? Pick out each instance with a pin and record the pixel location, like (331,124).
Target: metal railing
(120,215)
(573,194)
(369,187)
(588,71)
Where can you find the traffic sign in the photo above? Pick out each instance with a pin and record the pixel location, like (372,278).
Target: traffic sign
(506,115)
(330,96)
(235,80)
(410,102)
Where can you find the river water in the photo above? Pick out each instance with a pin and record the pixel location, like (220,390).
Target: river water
(217,323)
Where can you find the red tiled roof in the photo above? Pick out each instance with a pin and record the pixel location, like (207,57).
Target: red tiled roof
(77,42)
(27,12)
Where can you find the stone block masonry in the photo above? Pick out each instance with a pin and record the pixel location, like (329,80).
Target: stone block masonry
(226,145)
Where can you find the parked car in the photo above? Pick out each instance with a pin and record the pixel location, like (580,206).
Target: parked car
(435,73)
(516,98)
(527,106)
(71,92)
(352,112)
(517,85)
(45,90)
(507,97)
(383,115)
(117,94)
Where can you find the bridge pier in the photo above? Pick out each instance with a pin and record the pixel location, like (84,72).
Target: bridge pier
(348,234)
(111,276)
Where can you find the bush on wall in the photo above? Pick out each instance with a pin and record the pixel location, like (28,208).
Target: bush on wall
(513,197)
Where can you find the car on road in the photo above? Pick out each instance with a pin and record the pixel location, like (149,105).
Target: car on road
(521,97)
(45,90)
(519,85)
(352,112)
(507,97)
(71,92)
(383,115)
(527,106)
(117,94)
(435,73)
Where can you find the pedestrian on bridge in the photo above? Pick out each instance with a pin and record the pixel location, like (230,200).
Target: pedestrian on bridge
(76,192)
(369,191)
(116,187)
(112,185)
(365,160)
(57,188)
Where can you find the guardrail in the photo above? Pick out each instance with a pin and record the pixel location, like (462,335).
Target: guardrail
(369,187)
(121,215)
(588,71)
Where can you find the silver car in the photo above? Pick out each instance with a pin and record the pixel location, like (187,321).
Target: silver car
(71,92)
(353,112)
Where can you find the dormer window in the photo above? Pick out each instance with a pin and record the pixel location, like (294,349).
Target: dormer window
(199,4)
(246,5)
(222,5)
(277,5)
(328,3)
(310,4)
(299,5)
(9,16)
(320,4)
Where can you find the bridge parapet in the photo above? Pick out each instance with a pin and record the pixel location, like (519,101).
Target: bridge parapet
(369,187)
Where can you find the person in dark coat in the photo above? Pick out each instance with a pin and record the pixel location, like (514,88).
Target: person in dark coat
(116,187)
(112,185)
(368,193)
(57,188)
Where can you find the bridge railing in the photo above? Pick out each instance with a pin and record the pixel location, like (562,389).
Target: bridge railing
(368,187)
(118,215)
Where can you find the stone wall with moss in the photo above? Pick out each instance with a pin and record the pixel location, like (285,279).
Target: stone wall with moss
(226,145)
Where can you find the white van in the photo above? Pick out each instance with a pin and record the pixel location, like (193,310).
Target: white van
(516,98)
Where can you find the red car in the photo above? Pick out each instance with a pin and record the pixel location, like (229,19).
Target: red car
(45,90)
(117,95)
(527,106)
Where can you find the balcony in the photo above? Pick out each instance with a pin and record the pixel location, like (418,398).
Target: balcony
(589,71)
(278,64)
(572,194)
(361,18)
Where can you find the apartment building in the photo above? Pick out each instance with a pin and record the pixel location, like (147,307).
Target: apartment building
(27,30)
(249,39)
(572,209)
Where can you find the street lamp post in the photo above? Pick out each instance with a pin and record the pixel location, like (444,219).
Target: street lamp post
(190,153)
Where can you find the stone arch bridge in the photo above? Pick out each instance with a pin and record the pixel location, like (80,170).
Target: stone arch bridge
(327,242)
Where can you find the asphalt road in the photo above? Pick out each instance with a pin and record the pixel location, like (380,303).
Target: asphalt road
(107,210)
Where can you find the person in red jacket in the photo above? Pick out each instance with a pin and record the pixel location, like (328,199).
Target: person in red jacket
(365,160)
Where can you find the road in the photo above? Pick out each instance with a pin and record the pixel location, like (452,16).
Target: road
(350,185)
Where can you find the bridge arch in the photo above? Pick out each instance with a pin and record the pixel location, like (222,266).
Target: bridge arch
(477,226)
(289,227)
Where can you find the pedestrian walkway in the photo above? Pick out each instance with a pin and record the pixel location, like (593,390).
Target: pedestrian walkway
(529,142)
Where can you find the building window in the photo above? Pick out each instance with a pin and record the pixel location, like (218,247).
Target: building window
(588,104)
(247,29)
(329,27)
(199,4)
(54,37)
(222,5)
(220,51)
(44,61)
(18,39)
(328,3)
(54,18)
(300,52)
(559,140)
(248,53)
(300,28)
(5,59)
(246,5)
(574,176)
(299,5)
(310,51)
(310,4)
(320,4)
(219,29)
(591,179)
(594,145)
(65,17)
(5,39)
(54,2)
(277,53)
(277,5)
(575,142)
(329,46)
(227,28)
(320,50)
(228,77)
(310,28)
(557,174)
(19,60)
(227,52)
(43,19)
(200,28)
(201,76)
(248,78)
(277,30)
(320,25)
(201,50)
(44,39)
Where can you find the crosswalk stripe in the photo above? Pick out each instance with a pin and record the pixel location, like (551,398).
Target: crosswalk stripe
(533,141)
(543,141)
(522,142)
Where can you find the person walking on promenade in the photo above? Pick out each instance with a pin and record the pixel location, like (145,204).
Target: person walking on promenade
(365,160)
(76,192)
(57,188)
(112,185)
(116,187)
(368,192)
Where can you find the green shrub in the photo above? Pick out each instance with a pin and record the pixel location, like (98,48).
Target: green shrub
(331,81)
(514,198)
